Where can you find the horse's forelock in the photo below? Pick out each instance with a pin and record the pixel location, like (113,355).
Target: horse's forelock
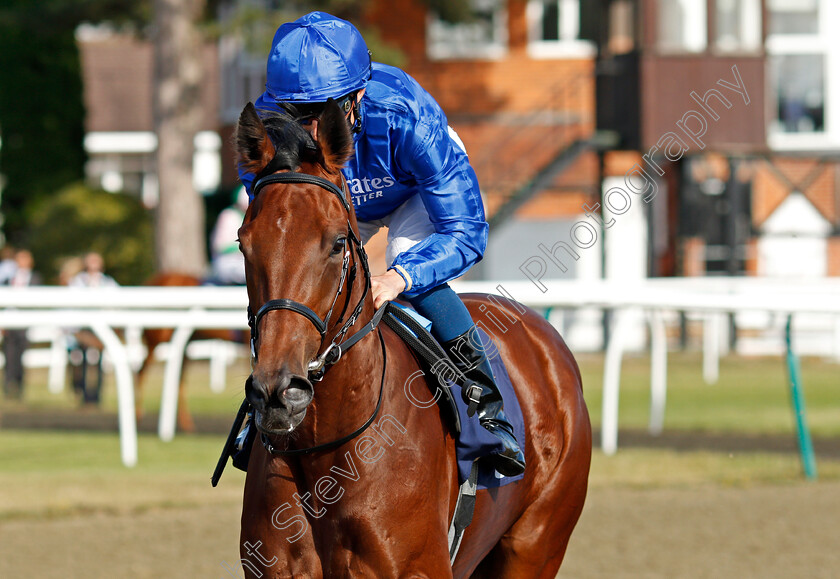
(292,142)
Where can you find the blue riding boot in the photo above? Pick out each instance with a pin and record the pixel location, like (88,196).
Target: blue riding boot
(475,365)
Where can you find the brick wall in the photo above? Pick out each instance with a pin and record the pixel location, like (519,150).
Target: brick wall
(488,101)
(516,83)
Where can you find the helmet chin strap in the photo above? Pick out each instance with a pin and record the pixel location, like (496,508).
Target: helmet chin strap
(356,127)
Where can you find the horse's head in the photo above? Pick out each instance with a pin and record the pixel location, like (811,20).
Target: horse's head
(297,238)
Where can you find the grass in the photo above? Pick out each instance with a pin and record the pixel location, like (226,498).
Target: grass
(200,398)
(652,469)
(59,474)
(751,397)
(47,474)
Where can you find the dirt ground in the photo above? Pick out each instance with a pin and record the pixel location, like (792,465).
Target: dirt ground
(763,532)
(773,531)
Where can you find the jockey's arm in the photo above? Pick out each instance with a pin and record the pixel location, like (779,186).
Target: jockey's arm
(450,193)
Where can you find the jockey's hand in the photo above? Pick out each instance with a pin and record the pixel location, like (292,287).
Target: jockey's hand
(386,287)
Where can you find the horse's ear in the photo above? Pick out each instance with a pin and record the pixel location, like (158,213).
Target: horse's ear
(334,137)
(254,149)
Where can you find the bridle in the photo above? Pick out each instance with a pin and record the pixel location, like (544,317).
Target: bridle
(332,353)
(338,345)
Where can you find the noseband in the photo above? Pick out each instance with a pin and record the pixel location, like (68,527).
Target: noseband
(338,345)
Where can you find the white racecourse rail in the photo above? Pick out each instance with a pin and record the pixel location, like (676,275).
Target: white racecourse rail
(186,309)
(105,309)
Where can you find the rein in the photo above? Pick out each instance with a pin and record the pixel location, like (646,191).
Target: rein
(338,345)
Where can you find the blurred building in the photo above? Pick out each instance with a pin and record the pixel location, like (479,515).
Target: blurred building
(120,140)
(758,193)
(612,138)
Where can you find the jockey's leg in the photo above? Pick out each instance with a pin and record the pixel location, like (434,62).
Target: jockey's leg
(453,327)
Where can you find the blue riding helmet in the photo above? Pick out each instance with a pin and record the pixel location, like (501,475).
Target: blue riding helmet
(316,57)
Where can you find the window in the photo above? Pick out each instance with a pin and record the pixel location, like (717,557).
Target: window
(622,27)
(484,36)
(737,25)
(554,29)
(242,78)
(681,25)
(794,16)
(804,56)
(800,92)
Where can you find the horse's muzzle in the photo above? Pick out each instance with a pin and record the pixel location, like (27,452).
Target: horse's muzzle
(280,400)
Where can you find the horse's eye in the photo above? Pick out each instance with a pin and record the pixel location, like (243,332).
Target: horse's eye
(339,245)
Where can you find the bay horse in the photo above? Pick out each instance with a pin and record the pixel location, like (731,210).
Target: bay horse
(348,476)
(153,337)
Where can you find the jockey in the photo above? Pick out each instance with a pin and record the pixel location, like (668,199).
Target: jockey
(410,173)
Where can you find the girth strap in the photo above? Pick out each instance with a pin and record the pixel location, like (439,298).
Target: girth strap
(464,509)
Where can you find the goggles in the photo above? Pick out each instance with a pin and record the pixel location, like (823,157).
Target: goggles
(306,112)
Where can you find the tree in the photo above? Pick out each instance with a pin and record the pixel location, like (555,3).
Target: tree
(41,110)
(179,231)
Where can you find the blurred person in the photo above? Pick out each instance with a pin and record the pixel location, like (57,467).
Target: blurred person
(411,174)
(228,263)
(70,267)
(7,264)
(87,349)
(14,340)
(93,274)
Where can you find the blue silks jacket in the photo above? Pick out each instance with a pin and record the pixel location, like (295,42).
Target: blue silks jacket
(404,149)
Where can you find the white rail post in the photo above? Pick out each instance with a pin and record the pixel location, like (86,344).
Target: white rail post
(172,382)
(219,360)
(837,338)
(125,392)
(612,377)
(658,371)
(58,362)
(711,347)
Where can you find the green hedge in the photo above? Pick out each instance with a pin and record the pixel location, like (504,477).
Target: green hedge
(79,219)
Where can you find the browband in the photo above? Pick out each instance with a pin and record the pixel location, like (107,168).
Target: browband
(301,178)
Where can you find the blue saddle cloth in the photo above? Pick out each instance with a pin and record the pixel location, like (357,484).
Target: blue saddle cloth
(475,441)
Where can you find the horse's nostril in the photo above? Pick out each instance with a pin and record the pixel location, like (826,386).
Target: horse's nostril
(285,391)
(295,395)
(255,392)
